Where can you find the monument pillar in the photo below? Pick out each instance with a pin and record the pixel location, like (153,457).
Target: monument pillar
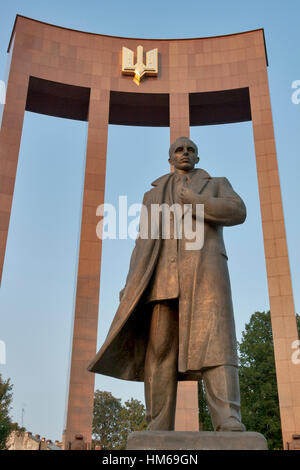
(10,140)
(282,308)
(81,387)
(187,414)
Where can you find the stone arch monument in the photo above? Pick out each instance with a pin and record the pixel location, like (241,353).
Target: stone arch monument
(78,75)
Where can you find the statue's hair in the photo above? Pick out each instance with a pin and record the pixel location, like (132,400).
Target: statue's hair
(174,145)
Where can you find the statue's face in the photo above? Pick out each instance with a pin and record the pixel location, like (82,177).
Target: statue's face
(185,155)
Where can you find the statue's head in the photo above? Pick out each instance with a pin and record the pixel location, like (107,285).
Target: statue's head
(183,154)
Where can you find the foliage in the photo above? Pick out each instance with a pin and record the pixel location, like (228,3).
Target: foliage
(258,385)
(113,422)
(133,417)
(298,323)
(204,415)
(107,410)
(259,397)
(5,407)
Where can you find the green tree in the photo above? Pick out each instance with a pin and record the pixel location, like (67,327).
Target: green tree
(298,324)
(259,396)
(5,407)
(205,423)
(106,418)
(113,422)
(132,418)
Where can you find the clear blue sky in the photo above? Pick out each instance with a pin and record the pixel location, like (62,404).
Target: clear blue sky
(37,291)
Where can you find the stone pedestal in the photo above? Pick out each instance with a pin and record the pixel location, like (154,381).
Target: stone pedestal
(189,440)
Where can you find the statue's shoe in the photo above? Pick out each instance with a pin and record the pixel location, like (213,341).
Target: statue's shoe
(231,425)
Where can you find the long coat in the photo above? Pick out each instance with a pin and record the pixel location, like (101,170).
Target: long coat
(206,322)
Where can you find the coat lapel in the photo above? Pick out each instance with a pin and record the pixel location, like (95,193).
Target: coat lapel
(199,180)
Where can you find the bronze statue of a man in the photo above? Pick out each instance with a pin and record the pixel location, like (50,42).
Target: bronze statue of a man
(175,319)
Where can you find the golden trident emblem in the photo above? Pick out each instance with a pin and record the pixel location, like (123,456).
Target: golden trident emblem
(139,69)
